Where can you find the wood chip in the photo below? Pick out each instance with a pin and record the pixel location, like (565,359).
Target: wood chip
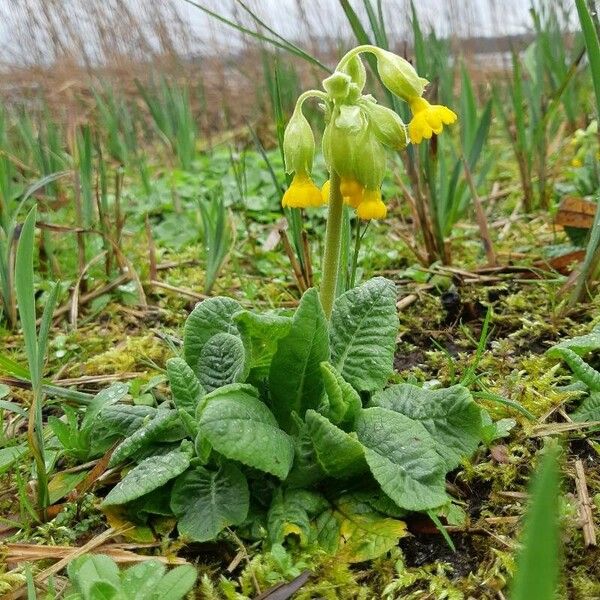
(576,212)
(585,506)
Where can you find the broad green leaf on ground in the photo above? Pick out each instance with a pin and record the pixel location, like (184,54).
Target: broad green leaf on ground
(176,583)
(401,455)
(209,317)
(206,502)
(450,415)
(241,427)
(363,330)
(185,387)
(344,400)
(589,410)
(263,330)
(150,474)
(117,422)
(166,426)
(295,379)
(107,397)
(89,569)
(580,345)
(339,453)
(222,361)
(290,514)
(355,532)
(140,580)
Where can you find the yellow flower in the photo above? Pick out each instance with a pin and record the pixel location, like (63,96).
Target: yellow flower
(428,119)
(302,193)
(576,162)
(372,206)
(351,190)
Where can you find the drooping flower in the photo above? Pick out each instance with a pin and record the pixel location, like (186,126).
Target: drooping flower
(371,207)
(352,192)
(428,119)
(302,193)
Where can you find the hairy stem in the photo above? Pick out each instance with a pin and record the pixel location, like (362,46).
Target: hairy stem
(331,259)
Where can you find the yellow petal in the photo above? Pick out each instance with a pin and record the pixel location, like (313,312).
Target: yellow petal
(428,119)
(371,207)
(325,191)
(302,193)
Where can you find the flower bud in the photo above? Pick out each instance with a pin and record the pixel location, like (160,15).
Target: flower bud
(370,161)
(355,69)
(387,125)
(298,144)
(398,75)
(343,139)
(337,85)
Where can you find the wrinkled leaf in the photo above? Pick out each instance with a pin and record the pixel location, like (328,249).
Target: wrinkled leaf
(339,453)
(150,474)
(222,361)
(400,453)
(185,387)
(363,330)
(450,415)
(206,502)
(295,379)
(241,427)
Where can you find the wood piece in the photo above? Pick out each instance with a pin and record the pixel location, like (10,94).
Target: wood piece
(576,212)
(585,506)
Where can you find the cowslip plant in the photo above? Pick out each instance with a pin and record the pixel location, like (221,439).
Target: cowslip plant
(356,134)
(282,426)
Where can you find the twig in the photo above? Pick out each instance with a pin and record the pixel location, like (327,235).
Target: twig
(151,249)
(293,260)
(178,290)
(585,506)
(308,270)
(484,231)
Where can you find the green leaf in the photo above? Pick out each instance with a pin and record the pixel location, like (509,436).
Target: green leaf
(242,428)
(355,532)
(400,453)
(339,453)
(589,410)
(150,474)
(106,397)
(176,583)
(581,369)
(290,514)
(185,387)
(344,401)
(538,560)
(89,569)
(363,330)
(206,502)
(580,345)
(139,581)
(116,422)
(263,330)
(209,317)
(166,426)
(450,415)
(25,295)
(222,361)
(295,379)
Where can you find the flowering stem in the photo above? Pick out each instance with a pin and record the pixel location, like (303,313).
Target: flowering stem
(333,236)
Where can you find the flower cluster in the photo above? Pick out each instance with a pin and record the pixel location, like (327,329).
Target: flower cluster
(357,132)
